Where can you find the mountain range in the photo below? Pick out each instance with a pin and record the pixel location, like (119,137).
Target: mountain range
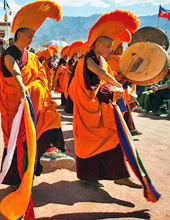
(70,29)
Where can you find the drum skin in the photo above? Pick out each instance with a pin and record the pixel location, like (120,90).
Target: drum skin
(144,63)
(150,34)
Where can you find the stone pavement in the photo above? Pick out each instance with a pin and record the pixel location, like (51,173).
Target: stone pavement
(58,194)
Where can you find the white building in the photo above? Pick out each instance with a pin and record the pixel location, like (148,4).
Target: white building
(5,30)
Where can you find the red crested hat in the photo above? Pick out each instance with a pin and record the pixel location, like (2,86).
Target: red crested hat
(117,24)
(64,51)
(74,48)
(84,48)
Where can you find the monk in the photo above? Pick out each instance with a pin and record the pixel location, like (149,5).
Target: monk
(97,145)
(49,67)
(74,54)
(70,73)
(59,83)
(22,74)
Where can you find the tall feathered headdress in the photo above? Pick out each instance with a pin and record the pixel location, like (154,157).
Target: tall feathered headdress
(34,14)
(74,48)
(117,24)
(64,51)
(84,48)
(131,26)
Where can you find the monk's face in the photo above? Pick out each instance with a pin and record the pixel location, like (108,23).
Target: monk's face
(119,50)
(75,56)
(26,37)
(105,46)
(109,56)
(65,57)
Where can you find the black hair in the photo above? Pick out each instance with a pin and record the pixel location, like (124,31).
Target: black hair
(101,37)
(19,30)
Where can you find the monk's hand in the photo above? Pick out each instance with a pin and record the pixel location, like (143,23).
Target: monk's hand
(23,90)
(154,88)
(118,95)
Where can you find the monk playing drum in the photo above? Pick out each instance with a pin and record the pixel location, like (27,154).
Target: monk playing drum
(97,145)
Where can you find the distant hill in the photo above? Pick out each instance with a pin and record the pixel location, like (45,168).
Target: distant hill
(70,29)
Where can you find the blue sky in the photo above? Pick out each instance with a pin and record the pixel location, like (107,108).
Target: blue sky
(89,7)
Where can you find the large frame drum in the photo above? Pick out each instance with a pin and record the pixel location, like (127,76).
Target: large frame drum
(144,63)
(151,34)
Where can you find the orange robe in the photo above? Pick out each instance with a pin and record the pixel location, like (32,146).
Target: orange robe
(34,77)
(114,63)
(50,73)
(66,78)
(59,84)
(94,123)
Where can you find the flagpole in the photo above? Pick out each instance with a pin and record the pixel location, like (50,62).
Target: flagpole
(6,27)
(6,20)
(158,17)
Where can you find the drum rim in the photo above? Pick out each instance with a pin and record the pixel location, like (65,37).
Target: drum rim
(161,74)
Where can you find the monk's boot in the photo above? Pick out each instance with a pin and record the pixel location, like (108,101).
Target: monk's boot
(95,183)
(135,132)
(128,182)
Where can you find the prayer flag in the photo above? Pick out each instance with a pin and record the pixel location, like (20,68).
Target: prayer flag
(6,6)
(11,206)
(133,158)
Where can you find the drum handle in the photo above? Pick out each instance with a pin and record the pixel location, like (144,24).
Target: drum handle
(133,55)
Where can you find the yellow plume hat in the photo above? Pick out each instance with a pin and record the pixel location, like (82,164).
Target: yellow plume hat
(41,53)
(34,14)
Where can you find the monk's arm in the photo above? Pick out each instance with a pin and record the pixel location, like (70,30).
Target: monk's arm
(162,87)
(104,75)
(13,67)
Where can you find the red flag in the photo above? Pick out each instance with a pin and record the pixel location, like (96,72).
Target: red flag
(164,13)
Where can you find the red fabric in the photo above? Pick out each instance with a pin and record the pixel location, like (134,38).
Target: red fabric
(29,215)
(51,149)
(20,148)
(24,59)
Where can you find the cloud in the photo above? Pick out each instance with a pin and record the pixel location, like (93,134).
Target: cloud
(133,2)
(1,18)
(14,6)
(73,3)
(99,4)
(79,3)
